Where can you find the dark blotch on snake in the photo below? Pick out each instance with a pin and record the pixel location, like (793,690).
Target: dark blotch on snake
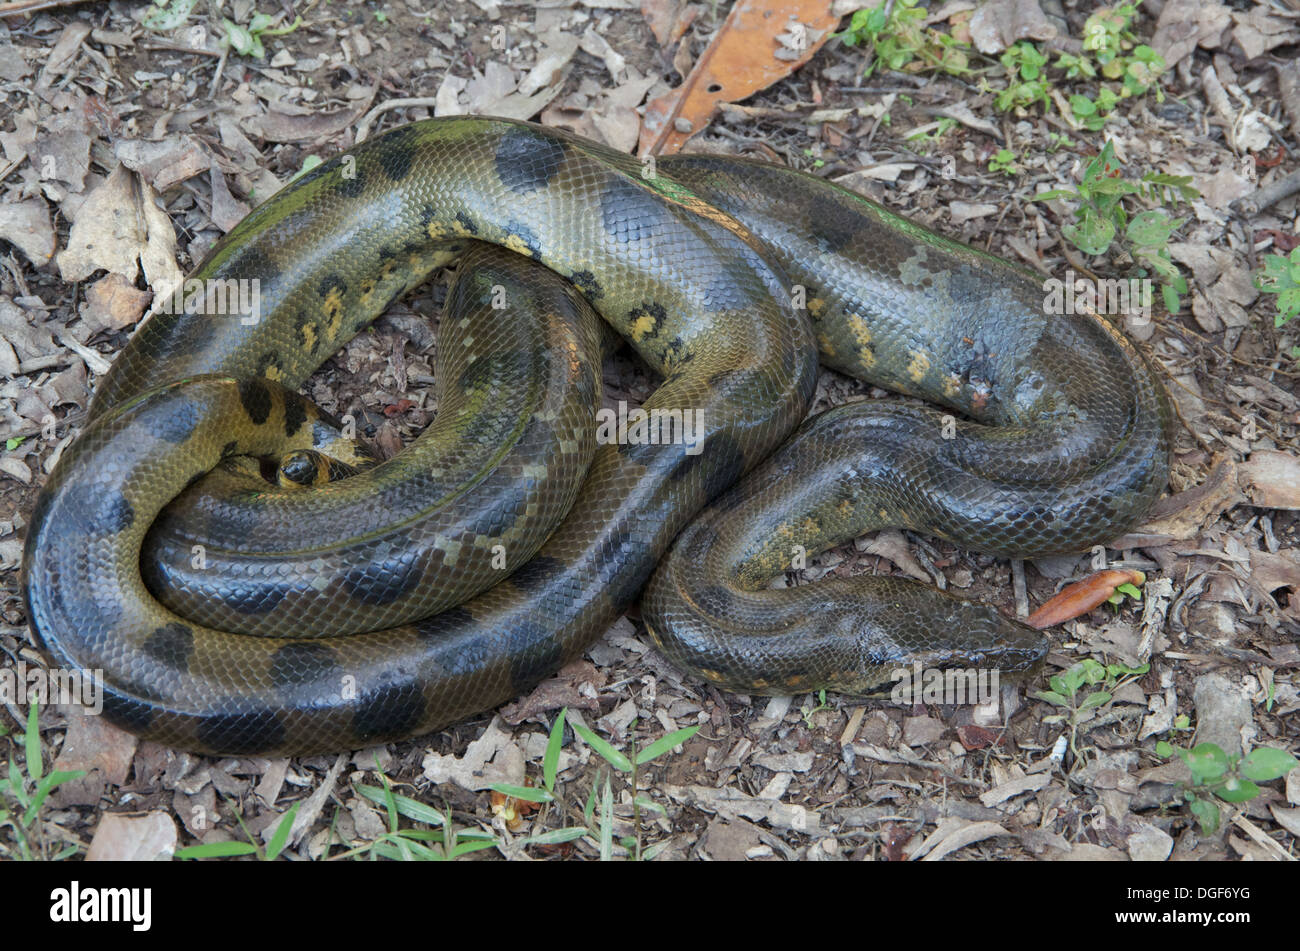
(304,662)
(295,414)
(391,710)
(104,509)
(252,598)
(242,734)
(534,654)
(832,222)
(256,399)
(126,712)
(179,424)
(534,575)
(383,582)
(351,187)
(398,153)
(526,161)
(632,213)
(171,645)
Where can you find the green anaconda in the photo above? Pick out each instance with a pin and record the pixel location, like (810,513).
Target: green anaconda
(729,278)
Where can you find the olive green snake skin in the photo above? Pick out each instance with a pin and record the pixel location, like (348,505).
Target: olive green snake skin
(730,278)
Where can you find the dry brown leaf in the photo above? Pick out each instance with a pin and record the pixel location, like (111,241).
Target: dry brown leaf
(1288,819)
(1273,570)
(63,154)
(26,224)
(953,834)
(1271,479)
(227,211)
(114,303)
(1257,31)
(1288,85)
(164,164)
(120,838)
(92,743)
(62,55)
(998,24)
(1182,516)
(1185,24)
(120,228)
(891,544)
(669,19)
(558,48)
(13,65)
(492,758)
(747,54)
(278,127)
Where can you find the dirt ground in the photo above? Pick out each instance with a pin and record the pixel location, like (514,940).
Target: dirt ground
(213,132)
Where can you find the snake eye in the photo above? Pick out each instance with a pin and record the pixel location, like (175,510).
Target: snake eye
(301,468)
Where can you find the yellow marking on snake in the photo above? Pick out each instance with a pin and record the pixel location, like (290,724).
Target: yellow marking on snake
(916,370)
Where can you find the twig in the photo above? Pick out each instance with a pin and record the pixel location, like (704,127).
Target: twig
(1269,195)
(363,127)
(19,7)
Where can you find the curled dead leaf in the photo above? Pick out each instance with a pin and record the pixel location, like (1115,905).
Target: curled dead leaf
(1081,597)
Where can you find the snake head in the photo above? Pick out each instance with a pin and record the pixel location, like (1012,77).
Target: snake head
(942,640)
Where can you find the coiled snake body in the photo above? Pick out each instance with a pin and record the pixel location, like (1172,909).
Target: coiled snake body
(705,265)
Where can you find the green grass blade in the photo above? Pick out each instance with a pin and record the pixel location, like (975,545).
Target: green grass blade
(607,823)
(551,761)
(526,793)
(607,752)
(557,836)
(405,805)
(216,850)
(34,765)
(665,743)
(281,836)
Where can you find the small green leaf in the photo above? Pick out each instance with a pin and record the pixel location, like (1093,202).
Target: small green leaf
(1051,696)
(240,40)
(1170,297)
(1207,762)
(1265,763)
(1096,699)
(1093,235)
(168,17)
(1206,813)
(13,442)
(1118,670)
(1093,672)
(1151,228)
(1164,749)
(1237,790)
(1054,193)
(310,162)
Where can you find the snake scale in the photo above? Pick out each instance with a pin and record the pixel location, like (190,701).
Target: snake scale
(730,278)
